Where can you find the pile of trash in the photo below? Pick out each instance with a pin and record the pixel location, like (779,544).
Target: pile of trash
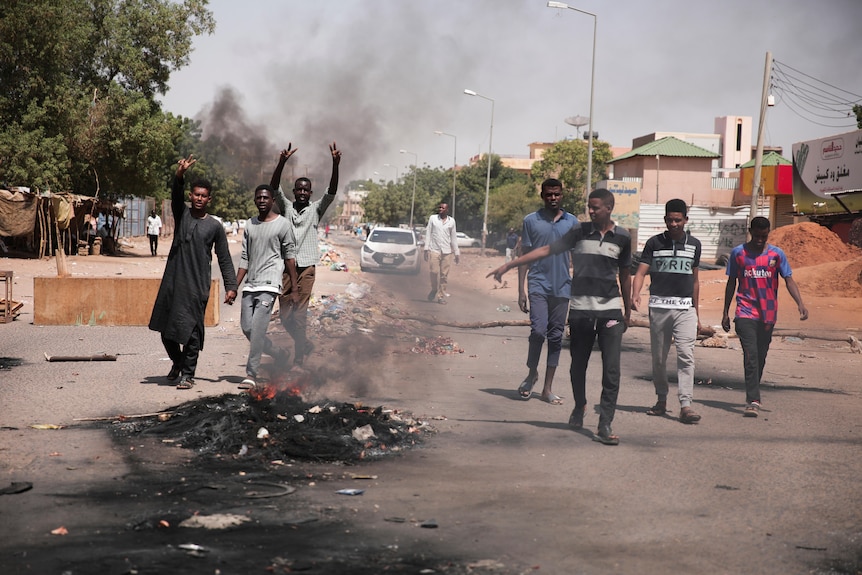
(439,345)
(281,426)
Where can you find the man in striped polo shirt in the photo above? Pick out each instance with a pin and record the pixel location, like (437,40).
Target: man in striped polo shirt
(756,266)
(600,303)
(671,258)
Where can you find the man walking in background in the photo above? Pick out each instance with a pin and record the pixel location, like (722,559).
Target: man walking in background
(154,226)
(441,245)
(305,216)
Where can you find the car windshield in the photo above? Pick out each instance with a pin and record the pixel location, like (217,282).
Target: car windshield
(391,237)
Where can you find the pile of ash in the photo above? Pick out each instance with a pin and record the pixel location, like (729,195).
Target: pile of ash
(271,425)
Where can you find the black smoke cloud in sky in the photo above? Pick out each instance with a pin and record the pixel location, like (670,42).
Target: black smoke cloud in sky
(239,144)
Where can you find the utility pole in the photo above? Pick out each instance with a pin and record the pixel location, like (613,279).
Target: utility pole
(756,187)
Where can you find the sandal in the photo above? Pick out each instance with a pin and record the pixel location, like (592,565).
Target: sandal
(553,399)
(525,390)
(186,382)
(660,408)
(687,415)
(605,436)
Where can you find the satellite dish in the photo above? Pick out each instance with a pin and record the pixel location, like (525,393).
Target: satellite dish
(577,121)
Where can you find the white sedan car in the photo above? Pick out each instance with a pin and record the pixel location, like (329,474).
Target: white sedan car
(465,241)
(391,249)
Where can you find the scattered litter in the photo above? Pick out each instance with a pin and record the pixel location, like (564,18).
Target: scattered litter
(429,524)
(191,547)
(354,476)
(395,519)
(46,426)
(363,433)
(299,418)
(217,521)
(350,491)
(60,531)
(503,308)
(436,346)
(357,291)
(262,433)
(243,450)
(727,487)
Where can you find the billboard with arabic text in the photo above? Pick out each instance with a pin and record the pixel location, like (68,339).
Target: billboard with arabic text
(828,173)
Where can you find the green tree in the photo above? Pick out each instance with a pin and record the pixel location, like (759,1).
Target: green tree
(857,109)
(567,161)
(79,81)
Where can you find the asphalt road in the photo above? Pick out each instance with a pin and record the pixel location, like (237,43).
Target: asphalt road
(509,486)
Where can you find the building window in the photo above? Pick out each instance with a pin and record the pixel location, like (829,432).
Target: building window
(739,136)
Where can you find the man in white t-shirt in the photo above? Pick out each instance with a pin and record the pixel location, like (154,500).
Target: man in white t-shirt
(441,243)
(154,226)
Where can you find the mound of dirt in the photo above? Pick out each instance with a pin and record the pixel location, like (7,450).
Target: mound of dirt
(832,279)
(810,244)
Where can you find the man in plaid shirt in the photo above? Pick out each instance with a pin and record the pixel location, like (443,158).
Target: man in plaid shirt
(305,216)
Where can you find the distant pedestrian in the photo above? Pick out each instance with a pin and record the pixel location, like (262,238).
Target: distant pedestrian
(441,245)
(753,269)
(671,258)
(154,226)
(178,313)
(511,244)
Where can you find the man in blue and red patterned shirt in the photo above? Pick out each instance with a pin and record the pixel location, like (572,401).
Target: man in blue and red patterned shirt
(755,266)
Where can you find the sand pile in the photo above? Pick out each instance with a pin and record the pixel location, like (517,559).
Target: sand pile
(829,267)
(810,244)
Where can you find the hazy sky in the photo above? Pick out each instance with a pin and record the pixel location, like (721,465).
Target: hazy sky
(378,76)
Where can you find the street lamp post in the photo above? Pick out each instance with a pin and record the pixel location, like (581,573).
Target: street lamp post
(592,88)
(454,165)
(488,176)
(415,167)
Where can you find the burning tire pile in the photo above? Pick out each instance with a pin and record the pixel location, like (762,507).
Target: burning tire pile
(273,424)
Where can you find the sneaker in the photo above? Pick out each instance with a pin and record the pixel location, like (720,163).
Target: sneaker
(752,409)
(247,383)
(688,415)
(432,294)
(576,419)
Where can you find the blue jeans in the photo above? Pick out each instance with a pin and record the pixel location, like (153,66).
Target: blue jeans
(254,320)
(755,337)
(583,334)
(547,319)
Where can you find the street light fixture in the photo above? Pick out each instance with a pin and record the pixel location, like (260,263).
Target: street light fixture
(488,176)
(415,167)
(592,89)
(454,165)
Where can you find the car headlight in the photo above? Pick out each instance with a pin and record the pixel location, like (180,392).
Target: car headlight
(367,250)
(411,253)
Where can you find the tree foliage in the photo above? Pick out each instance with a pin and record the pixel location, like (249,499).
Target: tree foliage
(567,161)
(857,109)
(80,78)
